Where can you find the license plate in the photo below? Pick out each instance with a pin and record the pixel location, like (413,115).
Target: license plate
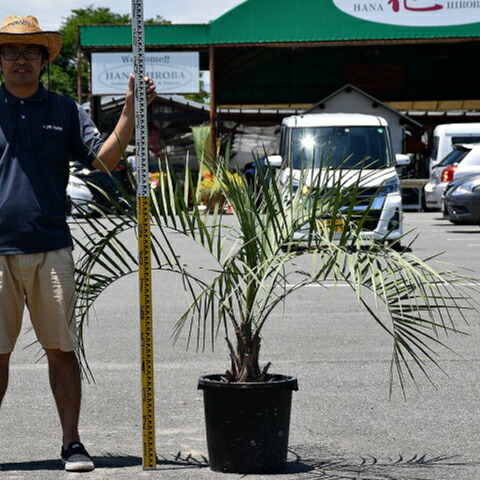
(326,224)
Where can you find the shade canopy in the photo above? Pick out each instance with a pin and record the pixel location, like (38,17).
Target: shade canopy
(295,52)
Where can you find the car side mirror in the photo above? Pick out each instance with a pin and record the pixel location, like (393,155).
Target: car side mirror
(275,161)
(402,160)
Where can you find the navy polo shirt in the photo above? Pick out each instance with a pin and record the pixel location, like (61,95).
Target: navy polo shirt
(39,135)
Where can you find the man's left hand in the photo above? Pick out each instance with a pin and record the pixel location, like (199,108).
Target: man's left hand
(150,88)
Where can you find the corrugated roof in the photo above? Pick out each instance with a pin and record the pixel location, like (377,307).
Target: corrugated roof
(114,36)
(352,88)
(275,21)
(316,21)
(438,105)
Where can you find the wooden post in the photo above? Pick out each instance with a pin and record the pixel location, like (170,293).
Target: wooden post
(79,69)
(91,98)
(79,77)
(213,102)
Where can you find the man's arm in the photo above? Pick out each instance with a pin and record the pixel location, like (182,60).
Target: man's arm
(115,145)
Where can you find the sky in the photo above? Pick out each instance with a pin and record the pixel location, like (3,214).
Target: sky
(51,13)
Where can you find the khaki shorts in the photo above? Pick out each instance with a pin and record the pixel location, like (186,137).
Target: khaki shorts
(44,282)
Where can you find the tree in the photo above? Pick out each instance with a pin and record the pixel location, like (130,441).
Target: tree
(201,97)
(63,72)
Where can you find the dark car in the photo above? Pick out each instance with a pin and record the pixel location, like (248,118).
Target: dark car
(462,200)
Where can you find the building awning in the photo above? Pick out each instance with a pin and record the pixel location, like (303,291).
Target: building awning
(281,21)
(293,52)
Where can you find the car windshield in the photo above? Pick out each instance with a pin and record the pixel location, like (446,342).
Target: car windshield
(349,147)
(455,156)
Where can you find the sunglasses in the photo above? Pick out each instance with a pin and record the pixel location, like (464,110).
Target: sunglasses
(28,55)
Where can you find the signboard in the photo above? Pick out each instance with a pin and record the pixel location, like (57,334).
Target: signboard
(176,72)
(413,13)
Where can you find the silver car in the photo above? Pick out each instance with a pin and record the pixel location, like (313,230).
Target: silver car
(79,195)
(445,171)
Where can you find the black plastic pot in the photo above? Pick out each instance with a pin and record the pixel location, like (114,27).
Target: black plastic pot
(247,423)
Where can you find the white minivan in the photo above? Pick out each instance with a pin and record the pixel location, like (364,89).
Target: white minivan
(359,145)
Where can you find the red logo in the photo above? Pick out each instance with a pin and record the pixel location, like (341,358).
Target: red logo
(409,5)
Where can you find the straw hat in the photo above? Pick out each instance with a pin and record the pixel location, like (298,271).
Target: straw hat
(27,30)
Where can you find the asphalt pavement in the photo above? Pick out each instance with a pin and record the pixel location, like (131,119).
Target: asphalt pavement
(344,424)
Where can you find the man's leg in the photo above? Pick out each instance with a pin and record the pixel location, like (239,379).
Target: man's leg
(66,386)
(65,381)
(51,302)
(4,366)
(11,312)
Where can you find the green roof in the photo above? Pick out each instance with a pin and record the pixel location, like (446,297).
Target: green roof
(105,36)
(273,22)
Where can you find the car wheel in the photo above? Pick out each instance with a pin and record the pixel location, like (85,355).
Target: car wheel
(396,246)
(444,209)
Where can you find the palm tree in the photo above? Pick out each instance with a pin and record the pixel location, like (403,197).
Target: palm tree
(257,260)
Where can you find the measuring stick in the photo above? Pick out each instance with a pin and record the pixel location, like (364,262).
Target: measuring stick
(144,246)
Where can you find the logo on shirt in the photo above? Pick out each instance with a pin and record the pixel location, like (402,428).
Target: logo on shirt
(57,128)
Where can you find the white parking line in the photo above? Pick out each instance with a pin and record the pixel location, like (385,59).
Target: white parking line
(457,239)
(344,284)
(323,285)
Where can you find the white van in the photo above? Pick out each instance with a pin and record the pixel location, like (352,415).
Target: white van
(357,144)
(445,136)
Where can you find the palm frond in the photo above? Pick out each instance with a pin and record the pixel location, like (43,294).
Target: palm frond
(258,260)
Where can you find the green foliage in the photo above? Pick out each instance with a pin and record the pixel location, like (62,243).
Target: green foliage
(64,68)
(158,20)
(86,16)
(200,97)
(62,80)
(257,260)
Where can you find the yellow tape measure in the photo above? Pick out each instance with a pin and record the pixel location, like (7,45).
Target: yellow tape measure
(144,241)
(146,330)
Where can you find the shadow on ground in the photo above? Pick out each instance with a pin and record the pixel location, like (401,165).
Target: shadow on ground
(308,462)
(109,461)
(323,464)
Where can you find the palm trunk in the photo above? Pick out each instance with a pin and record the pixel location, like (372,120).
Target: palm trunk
(245,365)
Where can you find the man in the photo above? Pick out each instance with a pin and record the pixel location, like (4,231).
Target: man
(40,132)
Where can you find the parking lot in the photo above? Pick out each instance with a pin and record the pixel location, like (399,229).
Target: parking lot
(344,425)
(460,242)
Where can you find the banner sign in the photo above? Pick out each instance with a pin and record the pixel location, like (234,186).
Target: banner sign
(413,13)
(176,72)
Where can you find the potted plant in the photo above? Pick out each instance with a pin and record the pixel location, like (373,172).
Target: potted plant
(255,264)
